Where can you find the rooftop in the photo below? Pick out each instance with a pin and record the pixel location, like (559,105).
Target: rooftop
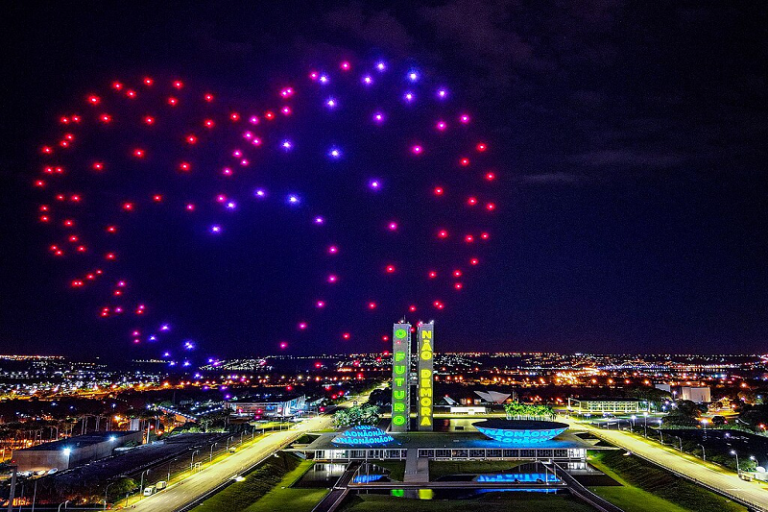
(452,440)
(81,441)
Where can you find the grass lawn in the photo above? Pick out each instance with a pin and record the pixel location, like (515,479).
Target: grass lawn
(240,495)
(284,499)
(494,502)
(632,499)
(438,468)
(645,483)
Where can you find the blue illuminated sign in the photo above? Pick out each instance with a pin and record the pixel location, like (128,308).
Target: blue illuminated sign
(363,435)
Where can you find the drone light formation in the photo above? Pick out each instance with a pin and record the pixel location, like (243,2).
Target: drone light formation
(427,153)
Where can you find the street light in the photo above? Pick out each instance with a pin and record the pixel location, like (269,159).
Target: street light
(141,487)
(645,424)
(210,458)
(192,463)
(738,470)
(34,495)
(60,504)
(168,479)
(703,452)
(633,418)
(106,494)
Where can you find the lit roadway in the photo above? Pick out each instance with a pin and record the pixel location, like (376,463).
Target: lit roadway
(178,495)
(710,475)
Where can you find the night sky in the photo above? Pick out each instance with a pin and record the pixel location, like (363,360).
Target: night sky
(630,141)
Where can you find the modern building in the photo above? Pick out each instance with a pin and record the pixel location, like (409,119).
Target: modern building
(698,394)
(606,406)
(371,443)
(493,397)
(287,407)
(402,378)
(67,453)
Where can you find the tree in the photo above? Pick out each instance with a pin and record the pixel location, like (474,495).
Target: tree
(653,396)
(359,415)
(755,415)
(684,414)
(517,410)
(380,397)
(718,421)
(120,488)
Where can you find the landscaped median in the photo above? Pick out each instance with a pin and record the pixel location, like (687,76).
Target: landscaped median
(646,486)
(267,488)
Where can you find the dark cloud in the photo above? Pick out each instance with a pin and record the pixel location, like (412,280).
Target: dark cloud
(376,28)
(554,178)
(627,158)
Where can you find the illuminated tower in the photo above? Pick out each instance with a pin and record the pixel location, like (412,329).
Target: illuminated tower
(401,384)
(425,354)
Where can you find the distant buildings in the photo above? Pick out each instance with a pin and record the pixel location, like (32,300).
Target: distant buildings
(493,397)
(286,407)
(608,405)
(697,394)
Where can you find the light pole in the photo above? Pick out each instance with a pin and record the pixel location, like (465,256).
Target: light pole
(34,495)
(738,469)
(210,457)
(169,469)
(192,464)
(703,452)
(60,504)
(106,494)
(645,425)
(141,487)
(633,418)
(661,434)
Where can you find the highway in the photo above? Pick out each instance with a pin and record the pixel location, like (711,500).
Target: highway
(710,475)
(181,494)
(209,478)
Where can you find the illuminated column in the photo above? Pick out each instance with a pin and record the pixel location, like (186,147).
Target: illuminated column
(401,364)
(426,339)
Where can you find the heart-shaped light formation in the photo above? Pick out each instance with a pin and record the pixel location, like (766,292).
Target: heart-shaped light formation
(410,185)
